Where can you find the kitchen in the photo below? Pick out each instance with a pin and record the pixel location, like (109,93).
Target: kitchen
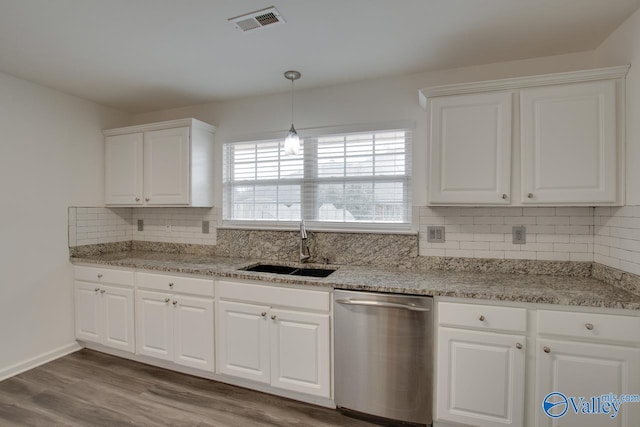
(577,261)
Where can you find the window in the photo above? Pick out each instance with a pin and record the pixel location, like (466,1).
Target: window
(355,178)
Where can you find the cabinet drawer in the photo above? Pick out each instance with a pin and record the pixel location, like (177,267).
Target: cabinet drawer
(275,296)
(185,285)
(586,325)
(104,275)
(482,316)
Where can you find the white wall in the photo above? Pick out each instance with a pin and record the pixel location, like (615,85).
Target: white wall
(617,230)
(51,157)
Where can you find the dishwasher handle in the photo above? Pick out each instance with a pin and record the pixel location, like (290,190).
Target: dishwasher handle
(372,303)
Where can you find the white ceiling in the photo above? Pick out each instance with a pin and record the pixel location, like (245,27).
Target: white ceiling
(145,55)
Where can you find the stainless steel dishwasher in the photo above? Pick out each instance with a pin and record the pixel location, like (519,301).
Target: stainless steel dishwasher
(384,355)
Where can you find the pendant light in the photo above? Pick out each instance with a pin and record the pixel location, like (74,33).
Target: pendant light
(292,141)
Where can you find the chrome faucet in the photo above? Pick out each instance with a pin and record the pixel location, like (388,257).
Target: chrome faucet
(304,243)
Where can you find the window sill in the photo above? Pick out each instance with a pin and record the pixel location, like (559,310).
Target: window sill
(320,227)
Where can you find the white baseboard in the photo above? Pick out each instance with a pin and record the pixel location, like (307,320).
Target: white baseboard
(21,367)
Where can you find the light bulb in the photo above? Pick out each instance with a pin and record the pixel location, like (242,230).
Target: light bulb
(292,143)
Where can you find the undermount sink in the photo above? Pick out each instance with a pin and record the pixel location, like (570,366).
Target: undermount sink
(290,271)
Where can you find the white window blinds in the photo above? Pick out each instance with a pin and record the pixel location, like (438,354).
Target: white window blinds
(362,177)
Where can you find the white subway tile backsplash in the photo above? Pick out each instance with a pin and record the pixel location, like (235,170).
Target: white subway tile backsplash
(552,220)
(575,211)
(552,233)
(106,225)
(539,211)
(617,237)
(553,256)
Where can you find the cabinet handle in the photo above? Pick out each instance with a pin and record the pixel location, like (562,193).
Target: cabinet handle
(263,314)
(504,196)
(481,318)
(167,300)
(146,199)
(137,199)
(96,289)
(102,291)
(171,285)
(175,303)
(519,346)
(589,326)
(99,276)
(530,195)
(273,317)
(546,349)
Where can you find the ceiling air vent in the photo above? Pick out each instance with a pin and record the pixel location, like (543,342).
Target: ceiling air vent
(258,19)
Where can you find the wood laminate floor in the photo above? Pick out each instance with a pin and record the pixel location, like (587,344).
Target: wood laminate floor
(89,388)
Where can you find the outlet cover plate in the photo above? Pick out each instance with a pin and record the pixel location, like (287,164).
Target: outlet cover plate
(205,227)
(519,234)
(435,234)
(140,225)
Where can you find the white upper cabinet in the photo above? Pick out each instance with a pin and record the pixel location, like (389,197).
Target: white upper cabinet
(568,140)
(560,142)
(160,164)
(123,169)
(166,166)
(470,149)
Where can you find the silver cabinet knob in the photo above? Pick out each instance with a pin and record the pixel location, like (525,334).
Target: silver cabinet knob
(96,289)
(99,276)
(273,317)
(519,346)
(263,314)
(175,303)
(146,199)
(481,318)
(504,196)
(589,326)
(102,291)
(137,199)
(546,349)
(530,195)
(171,285)
(167,300)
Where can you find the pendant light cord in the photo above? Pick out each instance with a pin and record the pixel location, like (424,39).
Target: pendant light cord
(292,101)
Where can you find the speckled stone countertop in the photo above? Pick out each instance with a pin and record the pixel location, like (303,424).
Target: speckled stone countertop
(579,291)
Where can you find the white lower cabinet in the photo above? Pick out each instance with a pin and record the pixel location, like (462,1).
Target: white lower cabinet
(480,374)
(243,341)
(480,378)
(175,327)
(285,347)
(174,319)
(487,375)
(104,313)
(586,369)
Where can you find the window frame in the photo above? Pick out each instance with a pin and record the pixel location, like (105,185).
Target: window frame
(331,226)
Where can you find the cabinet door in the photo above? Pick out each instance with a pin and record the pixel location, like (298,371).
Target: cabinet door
(166,166)
(117,315)
(470,149)
(568,137)
(193,329)
(300,352)
(585,370)
(480,378)
(242,340)
(87,307)
(154,324)
(123,169)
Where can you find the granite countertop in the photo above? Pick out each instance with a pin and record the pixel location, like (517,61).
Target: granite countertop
(579,291)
